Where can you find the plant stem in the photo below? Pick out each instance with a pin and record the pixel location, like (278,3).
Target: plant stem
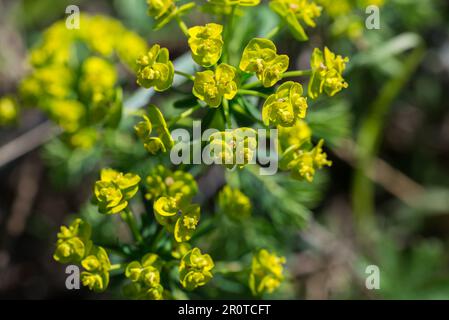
(273,32)
(252,93)
(129,218)
(185,75)
(228,34)
(297,73)
(116,266)
(183,115)
(182,26)
(226,113)
(288,74)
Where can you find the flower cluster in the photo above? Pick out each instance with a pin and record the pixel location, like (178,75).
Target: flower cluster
(74,246)
(234,147)
(145,278)
(177,217)
(206,44)
(327,70)
(212,86)
(266,272)
(285,106)
(260,57)
(234,204)
(162,141)
(80,103)
(114,190)
(164,182)
(155,69)
(195,269)
(295,12)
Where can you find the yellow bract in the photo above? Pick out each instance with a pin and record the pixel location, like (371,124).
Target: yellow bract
(266,272)
(293,12)
(114,190)
(260,57)
(97,265)
(233,148)
(155,69)
(303,163)
(212,87)
(195,269)
(145,277)
(206,44)
(327,70)
(286,106)
(73,242)
(179,218)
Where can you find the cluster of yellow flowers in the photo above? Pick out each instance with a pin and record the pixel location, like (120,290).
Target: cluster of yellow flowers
(216,85)
(74,246)
(78,104)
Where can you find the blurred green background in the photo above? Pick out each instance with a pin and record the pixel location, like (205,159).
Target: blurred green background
(385,200)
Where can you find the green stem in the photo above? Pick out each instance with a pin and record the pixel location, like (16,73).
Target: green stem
(273,32)
(369,138)
(228,33)
(185,75)
(296,73)
(183,115)
(182,26)
(288,74)
(226,113)
(129,218)
(116,266)
(157,239)
(252,93)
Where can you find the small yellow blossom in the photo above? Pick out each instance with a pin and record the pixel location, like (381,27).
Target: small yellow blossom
(73,242)
(298,134)
(8,111)
(155,69)
(327,70)
(206,43)
(266,272)
(212,87)
(260,56)
(96,274)
(195,269)
(285,106)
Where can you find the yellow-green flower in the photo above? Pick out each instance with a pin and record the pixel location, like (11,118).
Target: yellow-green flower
(285,106)
(155,69)
(164,182)
(178,218)
(114,190)
(179,249)
(158,8)
(195,269)
(327,70)
(164,11)
(304,163)
(206,43)
(145,277)
(68,114)
(8,111)
(295,12)
(243,3)
(162,141)
(84,138)
(73,242)
(260,57)
(266,272)
(234,204)
(96,274)
(298,134)
(231,148)
(212,87)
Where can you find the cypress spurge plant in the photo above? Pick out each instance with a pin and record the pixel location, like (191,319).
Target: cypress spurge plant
(163,260)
